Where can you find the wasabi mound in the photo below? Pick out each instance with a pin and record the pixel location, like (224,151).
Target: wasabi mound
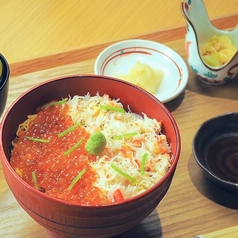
(96,143)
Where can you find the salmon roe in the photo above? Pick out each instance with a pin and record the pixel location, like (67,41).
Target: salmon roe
(54,167)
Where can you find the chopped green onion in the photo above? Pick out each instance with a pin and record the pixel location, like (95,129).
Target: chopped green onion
(73,147)
(72,128)
(55,103)
(35,179)
(76,179)
(143,161)
(128,135)
(111,108)
(127,176)
(37,139)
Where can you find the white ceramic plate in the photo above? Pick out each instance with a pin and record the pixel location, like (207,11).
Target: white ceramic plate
(118,58)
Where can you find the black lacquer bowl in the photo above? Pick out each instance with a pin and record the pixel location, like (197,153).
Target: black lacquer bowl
(215,148)
(4,82)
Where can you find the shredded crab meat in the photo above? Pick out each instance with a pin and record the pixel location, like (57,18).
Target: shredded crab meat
(125,153)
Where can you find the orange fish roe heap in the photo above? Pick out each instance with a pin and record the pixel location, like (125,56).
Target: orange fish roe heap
(53,160)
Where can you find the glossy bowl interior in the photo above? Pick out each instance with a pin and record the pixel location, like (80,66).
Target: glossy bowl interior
(215,148)
(63,219)
(4,82)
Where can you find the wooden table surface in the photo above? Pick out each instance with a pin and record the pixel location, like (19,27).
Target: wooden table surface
(192,205)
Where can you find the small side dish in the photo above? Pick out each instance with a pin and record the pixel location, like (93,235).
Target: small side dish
(148,64)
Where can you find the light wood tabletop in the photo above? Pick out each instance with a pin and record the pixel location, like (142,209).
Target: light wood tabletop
(48,39)
(33,29)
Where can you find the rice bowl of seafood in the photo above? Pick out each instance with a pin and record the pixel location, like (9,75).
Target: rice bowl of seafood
(83,154)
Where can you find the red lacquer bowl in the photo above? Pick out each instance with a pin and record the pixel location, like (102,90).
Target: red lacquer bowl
(63,219)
